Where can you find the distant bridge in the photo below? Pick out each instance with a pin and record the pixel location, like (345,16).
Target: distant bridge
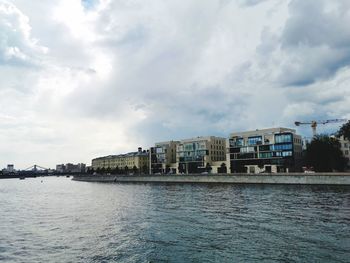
(35,168)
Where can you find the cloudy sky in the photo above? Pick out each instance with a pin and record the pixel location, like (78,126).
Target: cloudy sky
(81,79)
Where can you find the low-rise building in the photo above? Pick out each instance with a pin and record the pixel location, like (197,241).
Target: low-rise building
(201,154)
(71,168)
(60,168)
(163,157)
(10,168)
(266,150)
(137,162)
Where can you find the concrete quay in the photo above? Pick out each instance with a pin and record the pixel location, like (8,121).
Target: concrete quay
(276,178)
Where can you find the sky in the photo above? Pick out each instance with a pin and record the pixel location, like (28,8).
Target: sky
(83,79)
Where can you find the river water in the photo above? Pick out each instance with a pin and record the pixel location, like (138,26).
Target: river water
(60,220)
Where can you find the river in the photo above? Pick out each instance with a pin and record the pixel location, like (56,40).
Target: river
(59,220)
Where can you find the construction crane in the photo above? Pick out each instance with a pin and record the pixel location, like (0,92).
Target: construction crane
(314,124)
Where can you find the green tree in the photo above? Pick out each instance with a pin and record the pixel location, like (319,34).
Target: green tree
(324,154)
(345,131)
(145,169)
(115,170)
(208,168)
(134,169)
(223,168)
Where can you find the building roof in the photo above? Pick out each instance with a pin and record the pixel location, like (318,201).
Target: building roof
(202,138)
(130,154)
(262,131)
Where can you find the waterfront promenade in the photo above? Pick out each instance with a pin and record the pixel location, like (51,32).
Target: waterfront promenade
(277,178)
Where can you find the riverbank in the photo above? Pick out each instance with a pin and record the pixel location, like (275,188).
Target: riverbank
(278,178)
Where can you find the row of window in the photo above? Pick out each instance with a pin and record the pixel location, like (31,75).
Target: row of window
(273,147)
(258,140)
(191,159)
(218,147)
(278,147)
(297,140)
(194,153)
(261,155)
(254,140)
(280,138)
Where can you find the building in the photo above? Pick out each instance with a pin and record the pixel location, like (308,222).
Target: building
(133,162)
(267,150)
(201,154)
(60,168)
(71,168)
(10,168)
(345,148)
(163,157)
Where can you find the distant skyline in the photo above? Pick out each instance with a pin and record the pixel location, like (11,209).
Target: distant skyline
(82,79)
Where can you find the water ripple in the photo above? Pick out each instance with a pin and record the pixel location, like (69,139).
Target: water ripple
(60,220)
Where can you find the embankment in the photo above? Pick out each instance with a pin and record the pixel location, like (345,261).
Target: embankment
(280,178)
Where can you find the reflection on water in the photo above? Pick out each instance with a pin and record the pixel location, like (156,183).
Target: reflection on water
(60,220)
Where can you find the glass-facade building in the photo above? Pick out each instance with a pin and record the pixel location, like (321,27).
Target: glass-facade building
(267,150)
(163,157)
(200,154)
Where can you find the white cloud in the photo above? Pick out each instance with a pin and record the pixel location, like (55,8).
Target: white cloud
(84,79)
(16,44)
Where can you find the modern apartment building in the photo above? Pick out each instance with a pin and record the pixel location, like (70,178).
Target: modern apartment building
(201,154)
(163,157)
(266,150)
(129,162)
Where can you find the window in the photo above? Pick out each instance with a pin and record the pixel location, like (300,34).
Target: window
(264,148)
(287,153)
(159,150)
(246,149)
(280,138)
(265,155)
(239,142)
(279,147)
(254,140)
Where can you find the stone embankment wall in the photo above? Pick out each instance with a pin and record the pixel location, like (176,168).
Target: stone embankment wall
(281,178)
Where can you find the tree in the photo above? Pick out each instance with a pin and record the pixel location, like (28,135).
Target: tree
(115,170)
(145,169)
(126,169)
(134,169)
(208,168)
(222,168)
(344,131)
(324,154)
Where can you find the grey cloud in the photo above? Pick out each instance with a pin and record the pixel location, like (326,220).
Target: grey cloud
(178,69)
(201,111)
(316,39)
(313,23)
(250,2)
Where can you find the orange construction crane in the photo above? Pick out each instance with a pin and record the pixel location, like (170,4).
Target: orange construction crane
(314,124)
